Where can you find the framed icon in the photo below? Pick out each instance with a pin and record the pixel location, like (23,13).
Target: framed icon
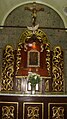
(33,58)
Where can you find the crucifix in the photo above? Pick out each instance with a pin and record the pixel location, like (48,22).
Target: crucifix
(34,9)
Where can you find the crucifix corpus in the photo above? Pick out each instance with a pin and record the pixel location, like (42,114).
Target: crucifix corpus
(34,8)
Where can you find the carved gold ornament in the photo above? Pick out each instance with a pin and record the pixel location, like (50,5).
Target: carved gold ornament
(33,112)
(48,59)
(57,70)
(18,61)
(57,112)
(41,36)
(8,69)
(8,112)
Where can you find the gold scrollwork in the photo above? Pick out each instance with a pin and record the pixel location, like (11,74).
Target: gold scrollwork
(48,58)
(8,69)
(41,36)
(8,112)
(57,70)
(26,36)
(42,48)
(57,112)
(33,112)
(18,60)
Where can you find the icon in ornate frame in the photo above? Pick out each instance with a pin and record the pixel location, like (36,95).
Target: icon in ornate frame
(33,58)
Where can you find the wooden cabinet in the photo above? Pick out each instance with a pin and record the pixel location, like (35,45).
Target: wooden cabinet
(19,106)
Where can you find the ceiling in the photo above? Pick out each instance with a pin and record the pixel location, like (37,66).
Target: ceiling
(6,6)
